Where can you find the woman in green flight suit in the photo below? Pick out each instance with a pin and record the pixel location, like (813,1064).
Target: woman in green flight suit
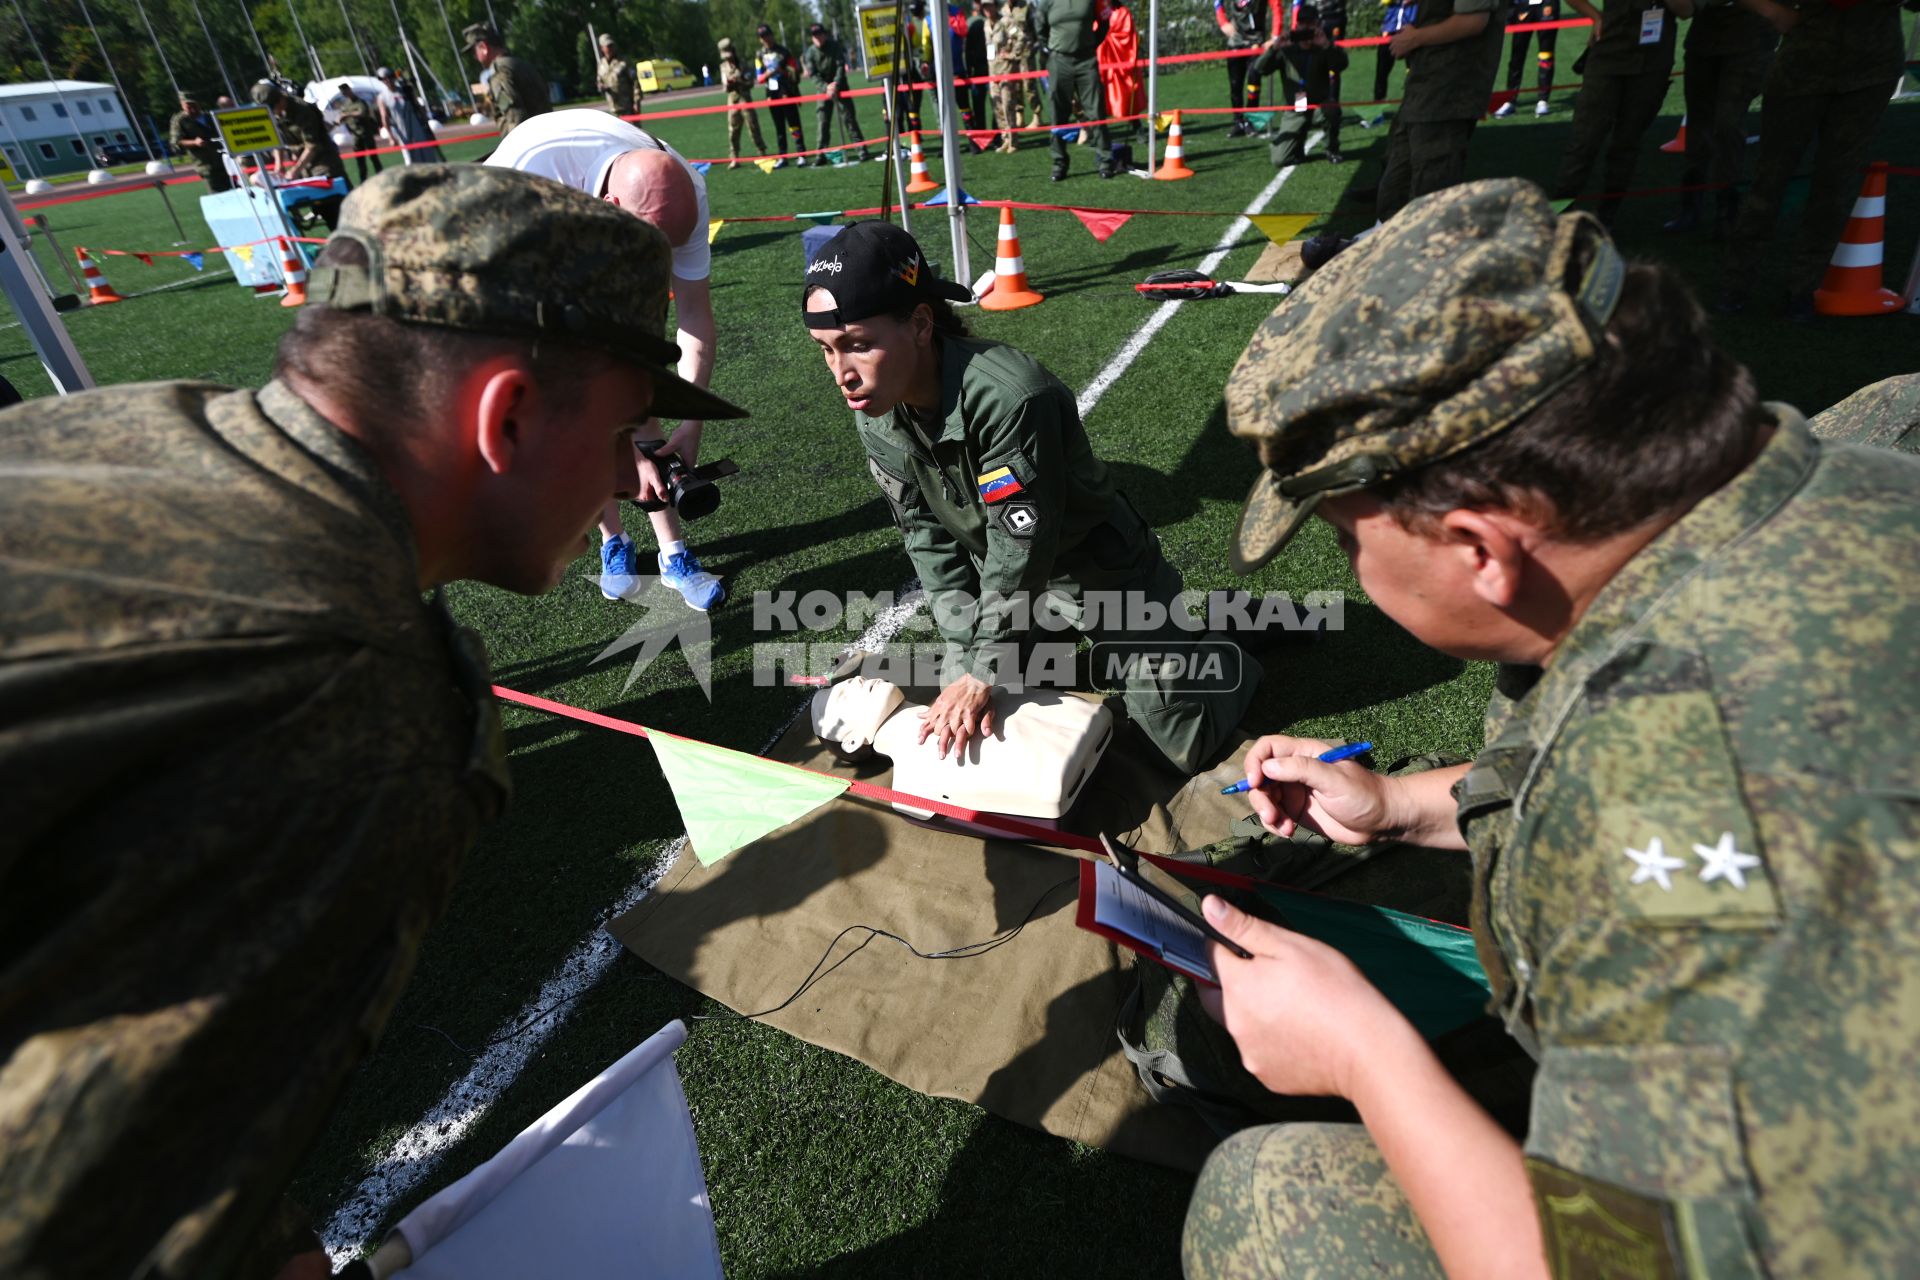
(1003,505)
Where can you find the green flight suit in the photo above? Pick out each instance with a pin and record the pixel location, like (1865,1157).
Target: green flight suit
(241,762)
(826,62)
(1061,528)
(517,91)
(1447,90)
(1696,853)
(1624,81)
(1827,89)
(1068,33)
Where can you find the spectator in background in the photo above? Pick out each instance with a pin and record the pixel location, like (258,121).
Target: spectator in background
(781,76)
(1625,72)
(978,66)
(1520,23)
(1119,77)
(825,59)
(618,81)
(358,119)
(1729,48)
(738,84)
(1310,63)
(1452,52)
(514,86)
(1244,23)
(404,121)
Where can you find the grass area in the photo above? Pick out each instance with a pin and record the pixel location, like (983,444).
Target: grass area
(818,1165)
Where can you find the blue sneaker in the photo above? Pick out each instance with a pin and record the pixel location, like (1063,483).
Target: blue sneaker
(700,589)
(619,573)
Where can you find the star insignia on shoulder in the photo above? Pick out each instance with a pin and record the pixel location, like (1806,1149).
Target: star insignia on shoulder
(1724,862)
(1652,863)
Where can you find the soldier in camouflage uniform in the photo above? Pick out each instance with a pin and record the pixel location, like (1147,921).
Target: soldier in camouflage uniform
(825,59)
(1012,46)
(738,82)
(304,131)
(514,87)
(1729,48)
(192,130)
(1452,52)
(1694,828)
(1001,500)
(358,118)
(1625,72)
(618,82)
(1828,86)
(1885,414)
(241,759)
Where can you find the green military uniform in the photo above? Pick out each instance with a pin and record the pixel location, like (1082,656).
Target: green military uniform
(1624,82)
(358,118)
(1314,72)
(240,759)
(1695,833)
(1034,98)
(1885,414)
(1827,88)
(193,132)
(1012,46)
(1069,33)
(302,126)
(738,82)
(1447,90)
(620,86)
(1065,529)
(826,62)
(1729,48)
(517,91)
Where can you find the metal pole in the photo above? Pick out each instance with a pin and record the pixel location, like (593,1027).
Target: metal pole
(21,281)
(218,61)
(53,83)
(146,143)
(455,44)
(313,59)
(161,186)
(950,140)
(153,36)
(71,300)
(259,48)
(366,67)
(406,46)
(1153,78)
(894,134)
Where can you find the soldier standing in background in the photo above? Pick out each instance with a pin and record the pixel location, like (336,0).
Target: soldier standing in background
(357,118)
(514,86)
(979,66)
(1625,75)
(1827,89)
(1452,52)
(1729,48)
(825,59)
(738,83)
(1245,25)
(1520,23)
(618,81)
(781,74)
(1012,47)
(241,758)
(1695,825)
(1030,90)
(192,130)
(1069,33)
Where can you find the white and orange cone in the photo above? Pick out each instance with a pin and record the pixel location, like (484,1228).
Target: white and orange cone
(1852,286)
(293,267)
(1175,165)
(1679,144)
(99,292)
(917,178)
(1010,290)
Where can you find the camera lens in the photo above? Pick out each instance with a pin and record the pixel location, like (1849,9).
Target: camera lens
(696,498)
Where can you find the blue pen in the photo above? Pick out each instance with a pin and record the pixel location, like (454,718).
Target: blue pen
(1334,756)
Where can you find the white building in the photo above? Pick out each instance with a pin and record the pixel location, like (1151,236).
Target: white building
(56,126)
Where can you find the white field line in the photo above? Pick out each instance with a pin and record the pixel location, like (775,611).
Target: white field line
(417,1152)
(1124,358)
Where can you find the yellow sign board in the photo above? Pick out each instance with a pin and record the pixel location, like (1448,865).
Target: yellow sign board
(246,130)
(879,38)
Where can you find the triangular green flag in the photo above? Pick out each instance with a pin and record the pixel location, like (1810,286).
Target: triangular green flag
(729,799)
(1561,206)
(822,215)
(1282,227)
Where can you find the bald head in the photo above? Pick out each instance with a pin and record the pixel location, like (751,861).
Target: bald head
(655,186)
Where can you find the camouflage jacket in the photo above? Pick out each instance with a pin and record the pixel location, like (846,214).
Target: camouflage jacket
(620,85)
(1886,413)
(1835,48)
(1454,81)
(1696,850)
(735,79)
(240,763)
(517,91)
(1001,493)
(303,126)
(1012,42)
(358,119)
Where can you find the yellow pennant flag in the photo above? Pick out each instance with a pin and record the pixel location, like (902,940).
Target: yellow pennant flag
(245,253)
(1282,227)
(766,166)
(1161,121)
(713,228)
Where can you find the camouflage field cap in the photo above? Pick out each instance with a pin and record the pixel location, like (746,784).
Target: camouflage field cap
(497,251)
(264,92)
(475,32)
(1442,328)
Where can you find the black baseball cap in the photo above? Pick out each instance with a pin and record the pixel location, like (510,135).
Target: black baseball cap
(873,268)
(816,30)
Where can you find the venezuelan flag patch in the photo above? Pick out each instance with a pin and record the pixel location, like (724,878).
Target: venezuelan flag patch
(998,484)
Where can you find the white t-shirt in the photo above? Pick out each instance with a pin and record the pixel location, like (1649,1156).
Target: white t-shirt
(578,147)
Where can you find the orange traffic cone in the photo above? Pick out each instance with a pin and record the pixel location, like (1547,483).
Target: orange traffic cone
(1679,144)
(1009,291)
(1852,286)
(293,266)
(1175,165)
(917,179)
(99,292)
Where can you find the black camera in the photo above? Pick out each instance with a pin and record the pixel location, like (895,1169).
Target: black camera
(690,490)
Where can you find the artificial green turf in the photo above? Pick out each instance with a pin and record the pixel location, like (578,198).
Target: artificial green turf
(817,1164)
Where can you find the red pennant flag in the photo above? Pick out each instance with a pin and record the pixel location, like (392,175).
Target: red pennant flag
(1101,223)
(981,138)
(145,257)
(1501,99)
